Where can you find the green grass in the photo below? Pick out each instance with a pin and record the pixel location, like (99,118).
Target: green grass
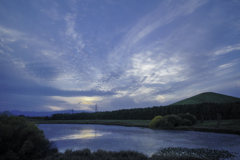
(227,126)
(208,97)
(225,123)
(136,123)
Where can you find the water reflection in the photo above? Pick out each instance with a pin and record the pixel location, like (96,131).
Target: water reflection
(147,141)
(83,134)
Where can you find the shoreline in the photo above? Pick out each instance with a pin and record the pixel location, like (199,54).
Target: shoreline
(210,129)
(145,124)
(126,123)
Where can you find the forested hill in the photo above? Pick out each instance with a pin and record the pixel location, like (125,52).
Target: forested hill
(208,97)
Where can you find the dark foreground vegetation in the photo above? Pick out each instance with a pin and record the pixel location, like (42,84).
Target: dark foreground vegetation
(23,140)
(196,152)
(86,154)
(162,154)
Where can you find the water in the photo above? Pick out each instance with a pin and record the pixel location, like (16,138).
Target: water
(147,141)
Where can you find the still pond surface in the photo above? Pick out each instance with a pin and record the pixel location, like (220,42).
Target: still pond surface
(147,141)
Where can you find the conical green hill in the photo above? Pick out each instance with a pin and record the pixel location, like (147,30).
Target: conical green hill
(208,97)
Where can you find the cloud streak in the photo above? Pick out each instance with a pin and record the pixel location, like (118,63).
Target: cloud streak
(227,49)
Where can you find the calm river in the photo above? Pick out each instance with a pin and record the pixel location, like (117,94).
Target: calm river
(147,141)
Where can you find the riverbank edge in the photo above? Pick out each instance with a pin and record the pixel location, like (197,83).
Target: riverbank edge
(210,129)
(127,123)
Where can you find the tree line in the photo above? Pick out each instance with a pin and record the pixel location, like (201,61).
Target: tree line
(204,111)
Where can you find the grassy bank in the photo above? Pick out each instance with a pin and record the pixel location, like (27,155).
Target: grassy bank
(131,123)
(227,126)
(224,123)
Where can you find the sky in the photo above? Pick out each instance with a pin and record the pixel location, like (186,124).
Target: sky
(118,54)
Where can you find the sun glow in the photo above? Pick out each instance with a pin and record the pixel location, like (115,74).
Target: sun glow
(79,100)
(54,108)
(160,98)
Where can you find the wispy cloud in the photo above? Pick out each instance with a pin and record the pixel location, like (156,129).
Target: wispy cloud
(144,65)
(69,18)
(227,65)
(227,49)
(164,14)
(12,35)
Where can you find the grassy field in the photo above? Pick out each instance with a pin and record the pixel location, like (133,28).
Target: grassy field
(131,123)
(225,123)
(227,126)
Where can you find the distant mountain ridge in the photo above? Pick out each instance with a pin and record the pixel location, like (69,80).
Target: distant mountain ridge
(41,114)
(208,97)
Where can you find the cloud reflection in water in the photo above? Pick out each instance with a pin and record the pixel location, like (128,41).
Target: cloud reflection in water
(84,134)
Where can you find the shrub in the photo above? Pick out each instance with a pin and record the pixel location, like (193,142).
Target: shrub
(193,153)
(161,157)
(170,121)
(155,122)
(186,122)
(21,139)
(86,154)
(188,116)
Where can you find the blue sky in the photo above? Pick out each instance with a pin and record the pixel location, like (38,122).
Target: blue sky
(70,54)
